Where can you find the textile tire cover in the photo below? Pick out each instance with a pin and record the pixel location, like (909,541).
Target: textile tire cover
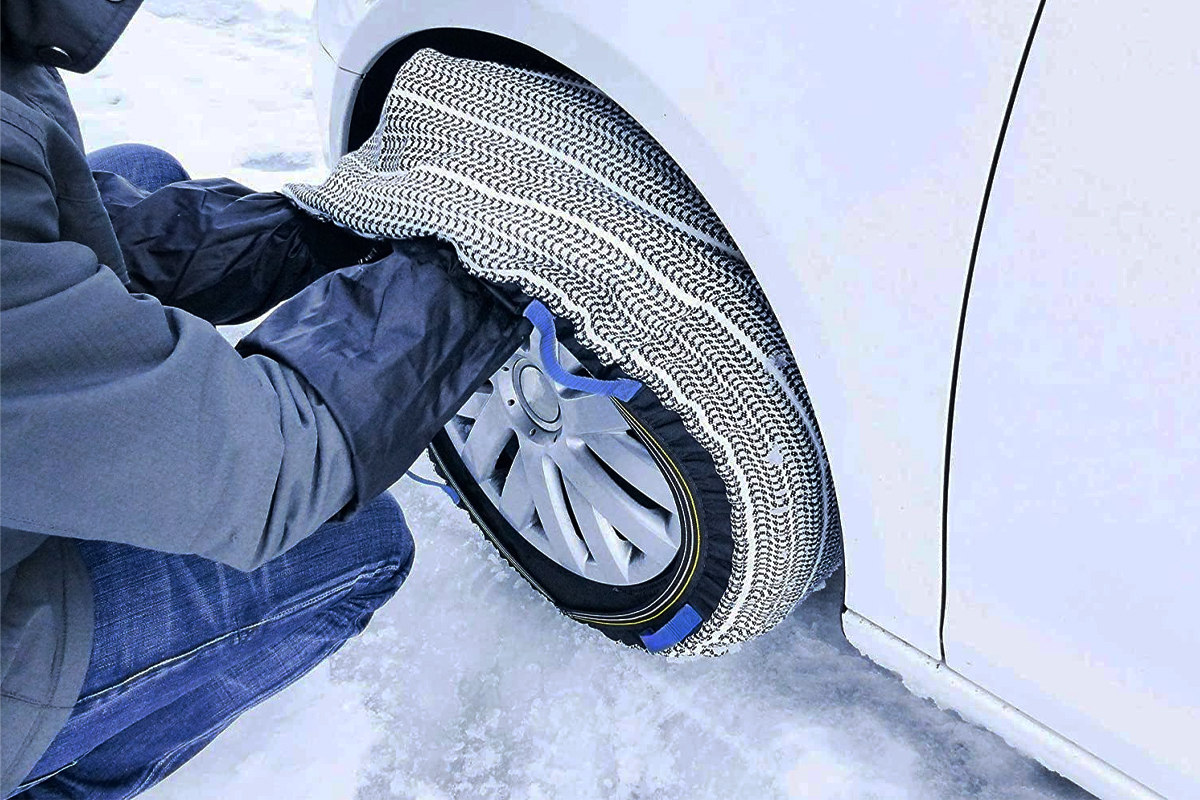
(542,181)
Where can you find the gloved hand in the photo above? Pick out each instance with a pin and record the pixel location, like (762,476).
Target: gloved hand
(220,251)
(394,348)
(510,295)
(335,247)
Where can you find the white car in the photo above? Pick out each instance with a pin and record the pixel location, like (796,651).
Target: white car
(979,228)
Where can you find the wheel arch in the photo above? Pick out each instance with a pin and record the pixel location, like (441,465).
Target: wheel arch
(536,46)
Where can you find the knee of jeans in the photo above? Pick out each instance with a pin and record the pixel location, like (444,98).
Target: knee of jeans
(145,166)
(393,540)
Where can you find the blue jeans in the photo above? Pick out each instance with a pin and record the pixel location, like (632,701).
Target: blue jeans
(184,645)
(146,167)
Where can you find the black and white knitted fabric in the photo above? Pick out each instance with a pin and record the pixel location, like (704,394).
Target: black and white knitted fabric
(544,181)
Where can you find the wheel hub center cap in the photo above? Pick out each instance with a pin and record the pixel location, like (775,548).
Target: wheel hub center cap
(537,394)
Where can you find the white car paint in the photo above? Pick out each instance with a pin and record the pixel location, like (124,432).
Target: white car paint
(1073,548)
(846,154)
(930,678)
(847,147)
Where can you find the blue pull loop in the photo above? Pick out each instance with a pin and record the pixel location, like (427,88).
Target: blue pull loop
(543,320)
(445,487)
(683,623)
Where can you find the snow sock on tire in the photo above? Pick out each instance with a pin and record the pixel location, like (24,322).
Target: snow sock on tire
(543,182)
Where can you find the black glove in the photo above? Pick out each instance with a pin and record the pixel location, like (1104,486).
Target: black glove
(510,295)
(335,247)
(394,348)
(221,251)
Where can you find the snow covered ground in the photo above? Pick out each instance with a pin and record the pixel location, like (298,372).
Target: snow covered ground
(468,685)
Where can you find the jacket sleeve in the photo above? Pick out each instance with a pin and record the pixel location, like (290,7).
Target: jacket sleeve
(395,348)
(128,421)
(217,249)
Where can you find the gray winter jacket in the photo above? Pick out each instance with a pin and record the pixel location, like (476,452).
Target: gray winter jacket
(127,417)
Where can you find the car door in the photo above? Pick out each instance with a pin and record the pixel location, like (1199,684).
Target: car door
(1072,547)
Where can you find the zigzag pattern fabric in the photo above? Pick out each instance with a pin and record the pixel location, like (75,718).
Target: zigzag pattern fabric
(544,181)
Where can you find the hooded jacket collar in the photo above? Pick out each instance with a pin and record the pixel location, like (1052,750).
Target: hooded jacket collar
(69,34)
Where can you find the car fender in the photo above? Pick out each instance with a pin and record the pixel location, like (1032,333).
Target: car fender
(853,191)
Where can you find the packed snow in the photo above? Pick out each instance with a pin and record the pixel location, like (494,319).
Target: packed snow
(468,684)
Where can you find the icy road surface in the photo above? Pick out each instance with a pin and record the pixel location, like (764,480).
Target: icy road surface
(468,684)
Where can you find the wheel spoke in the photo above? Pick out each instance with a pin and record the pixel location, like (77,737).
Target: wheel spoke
(639,525)
(591,414)
(545,489)
(629,459)
(653,540)
(611,554)
(475,404)
(516,502)
(487,439)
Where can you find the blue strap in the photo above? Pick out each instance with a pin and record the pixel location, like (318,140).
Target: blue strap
(683,623)
(445,487)
(543,320)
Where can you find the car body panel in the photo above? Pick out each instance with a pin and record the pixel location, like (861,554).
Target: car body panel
(847,154)
(1075,465)
(324,74)
(1072,527)
(930,678)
